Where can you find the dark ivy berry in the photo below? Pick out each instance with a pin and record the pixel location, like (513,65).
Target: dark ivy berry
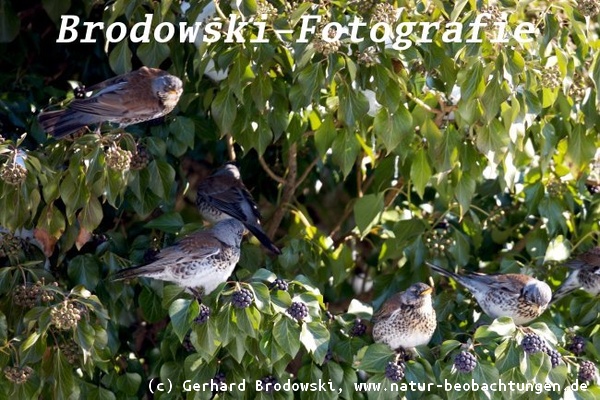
(268,382)
(532,343)
(328,356)
(465,362)
(587,371)
(203,315)
(298,310)
(394,371)
(359,328)
(242,298)
(554,356)
(279,284)
(187,344)
(217,382)
(577,345)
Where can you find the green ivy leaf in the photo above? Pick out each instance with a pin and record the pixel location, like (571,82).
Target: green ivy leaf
(393,128)
(85,270)
(366,212)
(420,171)
(169,222)
(120,58)
(153,53)
(182,313)
(375,357)
(315,338)
(287,335)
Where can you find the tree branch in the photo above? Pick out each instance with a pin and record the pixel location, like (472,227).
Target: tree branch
(269,171)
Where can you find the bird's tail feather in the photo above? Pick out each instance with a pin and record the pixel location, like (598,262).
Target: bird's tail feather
(264,239)
(61,123)
(444,272)
(567,287)
(134,272)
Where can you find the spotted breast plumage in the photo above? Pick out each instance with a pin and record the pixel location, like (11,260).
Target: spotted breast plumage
(223,195)
(199,262)
(585,274)
(407,319)
(519,296)
(138,96)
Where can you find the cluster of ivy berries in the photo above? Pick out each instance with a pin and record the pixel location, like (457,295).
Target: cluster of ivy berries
(298,310)
(279,284)
(532,344)
(18,375)
(465,362)
(242,298)
(139,159)
(65,316)
(117,158)
(13,173)
(395,370)
(30,295)
(203,314)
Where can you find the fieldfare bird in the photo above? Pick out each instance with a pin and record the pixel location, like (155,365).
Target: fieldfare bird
(199,262)
(407,319)
(585,275)
(518,296)
(128,99)
(223,195)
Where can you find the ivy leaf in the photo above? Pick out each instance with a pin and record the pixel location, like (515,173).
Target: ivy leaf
(120,58)
(393,128)
(345,150)
(420,171)
(169,222)
(287,334)
(353,105)
(366,211)
(9,22)
(182,313)
(375,357)
(315,338)
(224,110)
(84,270)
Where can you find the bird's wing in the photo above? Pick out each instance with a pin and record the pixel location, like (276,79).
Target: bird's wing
(228,197)
(507,283)
(198,245)
(590,258)
(387,308)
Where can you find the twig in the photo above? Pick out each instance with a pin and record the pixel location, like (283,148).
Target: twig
(289,186)
(270,172)
(306,172)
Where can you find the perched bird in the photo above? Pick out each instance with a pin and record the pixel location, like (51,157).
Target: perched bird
(407,319)
(199,262)
(137,96)
(223,195)
(518,296)
(585,275)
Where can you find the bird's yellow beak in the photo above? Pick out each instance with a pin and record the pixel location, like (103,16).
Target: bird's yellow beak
(427,291)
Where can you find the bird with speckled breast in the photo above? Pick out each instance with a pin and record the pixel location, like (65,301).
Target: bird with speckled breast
(199,262)
(141,95)
(407,319)
(519,296)
(585,274)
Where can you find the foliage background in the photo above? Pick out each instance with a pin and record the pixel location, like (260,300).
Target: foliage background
(481,156)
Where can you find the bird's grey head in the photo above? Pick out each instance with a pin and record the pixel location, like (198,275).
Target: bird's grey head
(417,294)
(537,292)
(168,86)
(229,231)
(229,169)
